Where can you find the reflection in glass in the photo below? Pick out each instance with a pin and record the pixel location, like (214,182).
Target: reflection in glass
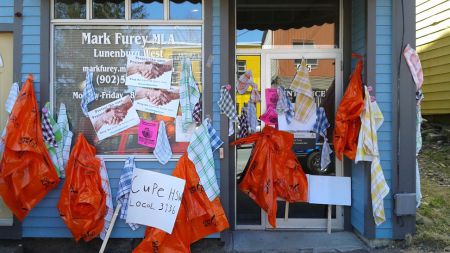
(321,76)
(289,23)
(147,9)
(247,211)
(186,9)
(73,9)
(109,9)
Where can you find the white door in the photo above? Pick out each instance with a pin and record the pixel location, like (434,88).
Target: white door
(278,69)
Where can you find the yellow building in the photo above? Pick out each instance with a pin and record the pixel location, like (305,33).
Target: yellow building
(433,46)
(248,62)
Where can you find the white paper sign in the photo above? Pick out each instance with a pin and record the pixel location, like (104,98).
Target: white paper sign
(170,109)
(180,135)
(295,124)
(149,72)
(155,199)
(114,117)
(329,190)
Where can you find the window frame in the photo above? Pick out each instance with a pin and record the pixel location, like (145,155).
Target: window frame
(125,22)
(89,16)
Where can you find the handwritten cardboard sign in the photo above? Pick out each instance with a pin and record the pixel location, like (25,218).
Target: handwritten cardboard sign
(147,133)
(155,199)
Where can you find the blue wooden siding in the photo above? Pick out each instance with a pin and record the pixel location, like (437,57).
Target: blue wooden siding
(44,220)
(358,46)
(383,94)
(31,42)
(384,99)
(7,11)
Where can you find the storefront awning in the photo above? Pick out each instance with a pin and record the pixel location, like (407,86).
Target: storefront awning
(285,14)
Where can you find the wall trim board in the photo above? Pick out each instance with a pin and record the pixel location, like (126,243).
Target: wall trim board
(45,52)
(15,231)
(404,113)
(226,69)
(347,68)
(207,58)
(370,73)
(18,8)
(6,27)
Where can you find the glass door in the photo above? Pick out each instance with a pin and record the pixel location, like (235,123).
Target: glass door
(279,68)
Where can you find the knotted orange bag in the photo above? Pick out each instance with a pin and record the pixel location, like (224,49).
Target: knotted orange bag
(27,173)
(348,122)
(82,204)
(197,218)
(272,171)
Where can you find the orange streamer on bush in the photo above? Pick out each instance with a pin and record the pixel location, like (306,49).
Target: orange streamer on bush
(197,218)
(272,171)
(82,204)
(27,173)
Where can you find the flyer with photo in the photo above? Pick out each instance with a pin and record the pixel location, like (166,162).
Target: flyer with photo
(149,72)
(170,109)
(114,117)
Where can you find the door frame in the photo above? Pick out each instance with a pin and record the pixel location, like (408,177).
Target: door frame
(267,55)
(284,53)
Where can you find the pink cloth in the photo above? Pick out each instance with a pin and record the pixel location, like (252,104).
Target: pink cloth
(413,61)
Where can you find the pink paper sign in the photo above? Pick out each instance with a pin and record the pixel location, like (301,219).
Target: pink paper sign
(147,133)
(271,98)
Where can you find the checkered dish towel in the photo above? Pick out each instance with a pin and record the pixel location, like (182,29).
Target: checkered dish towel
(320,127)
(109,203)
(63,149)
(305,106)
(88,93)
(51,147)
(189,94)
(200,153)
(123,193)
(162,151)
(367,150)
(284,105)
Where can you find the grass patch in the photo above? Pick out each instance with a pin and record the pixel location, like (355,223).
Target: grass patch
(433,219)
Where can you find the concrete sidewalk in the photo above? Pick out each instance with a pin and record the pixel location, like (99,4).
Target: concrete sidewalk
(242,242)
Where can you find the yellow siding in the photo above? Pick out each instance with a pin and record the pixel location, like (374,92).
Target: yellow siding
(433,46)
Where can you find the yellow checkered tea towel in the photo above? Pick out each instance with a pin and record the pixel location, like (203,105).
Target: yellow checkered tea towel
(367,150)
(305,106)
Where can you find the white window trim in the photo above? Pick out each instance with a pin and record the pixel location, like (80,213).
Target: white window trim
(123,22)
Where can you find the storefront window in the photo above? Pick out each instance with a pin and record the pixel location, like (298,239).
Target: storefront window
(104,51)
(185,9)
(108,9)
(147,9)
(70,9)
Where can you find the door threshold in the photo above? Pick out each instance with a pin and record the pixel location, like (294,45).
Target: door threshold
(294,241)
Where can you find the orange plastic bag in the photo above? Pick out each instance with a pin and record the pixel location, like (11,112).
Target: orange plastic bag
(82,204)
(348,120)
(272,171)
(27,173)
(197,218)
